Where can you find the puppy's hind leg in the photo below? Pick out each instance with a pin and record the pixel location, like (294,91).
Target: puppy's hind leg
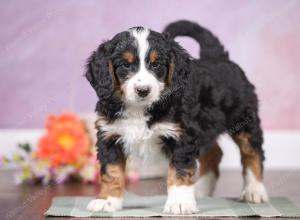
(252,160)
(209,171)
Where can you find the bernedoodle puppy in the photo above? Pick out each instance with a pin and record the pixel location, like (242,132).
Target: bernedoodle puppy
(155,100)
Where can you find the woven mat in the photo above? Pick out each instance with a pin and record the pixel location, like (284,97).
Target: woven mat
(152,206)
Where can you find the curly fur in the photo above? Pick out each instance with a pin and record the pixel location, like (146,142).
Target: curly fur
(206,97)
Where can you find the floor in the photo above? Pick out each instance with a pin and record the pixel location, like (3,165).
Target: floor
(30,202)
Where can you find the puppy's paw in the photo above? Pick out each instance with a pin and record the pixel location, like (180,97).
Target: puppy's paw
(255,193)
(180,208)
(111,204)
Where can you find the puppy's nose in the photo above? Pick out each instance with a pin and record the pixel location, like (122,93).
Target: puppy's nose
(142,91)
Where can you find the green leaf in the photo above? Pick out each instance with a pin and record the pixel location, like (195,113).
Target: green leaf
(25,146)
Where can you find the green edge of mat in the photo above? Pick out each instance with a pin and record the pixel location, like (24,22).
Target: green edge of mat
(152,206)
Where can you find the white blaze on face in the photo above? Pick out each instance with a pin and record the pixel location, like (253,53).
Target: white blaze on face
(144,77)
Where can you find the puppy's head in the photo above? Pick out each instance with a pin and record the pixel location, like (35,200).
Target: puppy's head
(139,66)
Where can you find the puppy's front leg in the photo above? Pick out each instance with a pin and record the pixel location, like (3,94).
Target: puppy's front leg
(181,192)
(112,188)
(112,180)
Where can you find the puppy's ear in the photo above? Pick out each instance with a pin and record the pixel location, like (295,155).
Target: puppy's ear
(100,72)
(179,67)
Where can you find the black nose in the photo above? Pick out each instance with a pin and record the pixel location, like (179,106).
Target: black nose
(142,91)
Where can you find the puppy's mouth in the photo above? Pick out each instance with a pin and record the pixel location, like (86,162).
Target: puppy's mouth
(143,100)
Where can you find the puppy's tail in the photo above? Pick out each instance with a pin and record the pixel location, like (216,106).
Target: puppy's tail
(211,48)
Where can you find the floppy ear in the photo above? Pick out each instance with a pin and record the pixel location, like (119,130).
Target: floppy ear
(100,74)
(179,67)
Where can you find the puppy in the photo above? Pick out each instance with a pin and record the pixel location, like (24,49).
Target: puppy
(155,100)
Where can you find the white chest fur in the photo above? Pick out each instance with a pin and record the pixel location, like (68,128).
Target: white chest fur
(138,139)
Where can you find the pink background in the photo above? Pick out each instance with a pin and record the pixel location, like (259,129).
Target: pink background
(44,46)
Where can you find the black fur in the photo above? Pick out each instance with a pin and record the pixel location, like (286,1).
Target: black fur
(211,47)
(218,98)
(207,96)
(171,98)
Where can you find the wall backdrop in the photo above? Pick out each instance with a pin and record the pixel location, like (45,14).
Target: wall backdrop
(44,46)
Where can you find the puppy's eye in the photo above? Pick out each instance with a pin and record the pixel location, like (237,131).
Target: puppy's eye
(126,65)
(155,65)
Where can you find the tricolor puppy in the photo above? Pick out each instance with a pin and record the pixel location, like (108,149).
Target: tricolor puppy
(155,100)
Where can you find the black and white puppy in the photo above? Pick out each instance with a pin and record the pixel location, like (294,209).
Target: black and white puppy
(154,100)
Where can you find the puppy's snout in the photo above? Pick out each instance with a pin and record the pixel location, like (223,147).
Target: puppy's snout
(142,91)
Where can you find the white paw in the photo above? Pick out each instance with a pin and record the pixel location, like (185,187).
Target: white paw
(180,208)
(181,200)
(110,204)
(255,193)
(206,185)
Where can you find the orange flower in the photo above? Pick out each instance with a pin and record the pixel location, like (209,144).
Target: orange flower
(66,141)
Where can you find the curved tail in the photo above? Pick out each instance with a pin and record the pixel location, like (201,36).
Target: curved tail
(211,48)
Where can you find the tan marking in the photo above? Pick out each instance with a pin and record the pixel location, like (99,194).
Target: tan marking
(210,160)
(178,131)
(249,157)
(110,136)
(175,179)
(111,71)
(113,181)
(118,91)
(174,128)
(153,56)
(128,56)
(100,122)
(170,73)
(123,88)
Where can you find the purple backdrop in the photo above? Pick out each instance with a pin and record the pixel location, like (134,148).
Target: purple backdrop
(44,46)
